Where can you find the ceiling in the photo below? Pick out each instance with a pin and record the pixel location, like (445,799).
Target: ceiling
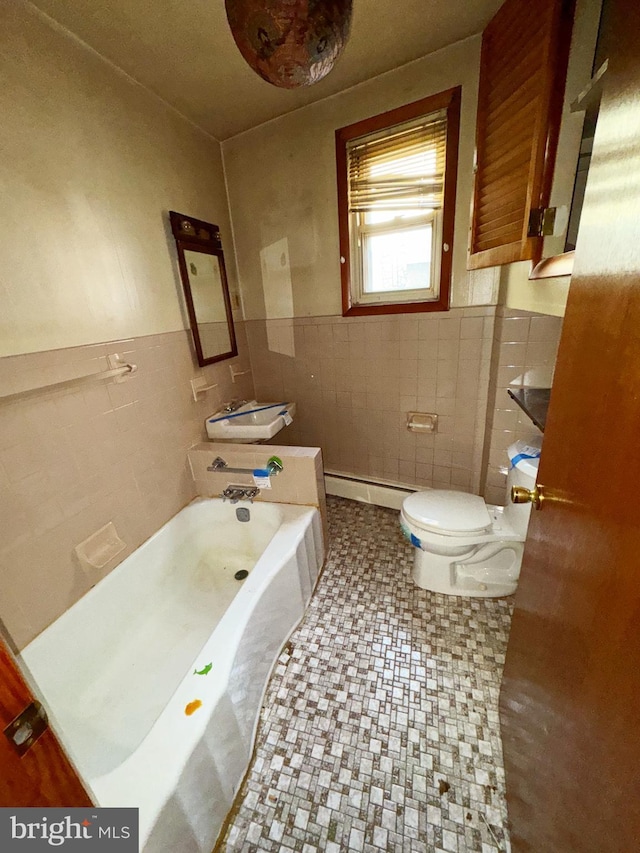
(184,52)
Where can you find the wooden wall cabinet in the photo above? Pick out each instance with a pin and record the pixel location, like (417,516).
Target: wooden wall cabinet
(523,66)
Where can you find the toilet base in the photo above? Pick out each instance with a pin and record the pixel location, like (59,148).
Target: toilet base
(488,571)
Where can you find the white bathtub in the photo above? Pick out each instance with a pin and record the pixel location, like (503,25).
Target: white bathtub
(117,670)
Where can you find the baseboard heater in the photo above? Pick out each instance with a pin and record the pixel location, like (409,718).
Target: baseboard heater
(370,491)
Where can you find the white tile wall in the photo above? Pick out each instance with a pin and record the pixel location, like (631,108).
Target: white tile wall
(70,462)
(524,354)
(355,379)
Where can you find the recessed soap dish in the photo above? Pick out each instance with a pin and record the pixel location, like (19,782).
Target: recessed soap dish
(99,548)
(422,422)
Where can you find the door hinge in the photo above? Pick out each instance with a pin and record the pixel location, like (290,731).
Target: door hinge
(27,727)
(542,221)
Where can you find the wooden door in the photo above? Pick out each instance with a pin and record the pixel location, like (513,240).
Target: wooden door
(43,775)
(570,701)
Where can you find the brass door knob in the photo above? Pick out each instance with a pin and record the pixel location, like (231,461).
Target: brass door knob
(535,496)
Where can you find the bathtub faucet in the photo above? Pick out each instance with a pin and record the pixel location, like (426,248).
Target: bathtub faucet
(239,493)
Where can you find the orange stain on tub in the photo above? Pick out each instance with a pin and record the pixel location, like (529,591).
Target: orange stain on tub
(192,707)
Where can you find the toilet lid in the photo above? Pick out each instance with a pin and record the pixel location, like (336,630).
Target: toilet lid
(447,512)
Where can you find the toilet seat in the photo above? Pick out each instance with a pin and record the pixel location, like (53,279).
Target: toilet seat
(447,513)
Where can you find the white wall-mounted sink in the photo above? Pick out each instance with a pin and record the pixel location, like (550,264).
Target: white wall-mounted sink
(253,421)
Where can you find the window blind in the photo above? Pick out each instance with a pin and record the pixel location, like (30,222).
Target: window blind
(402,169)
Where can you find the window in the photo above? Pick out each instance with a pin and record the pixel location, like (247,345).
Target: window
(396,199)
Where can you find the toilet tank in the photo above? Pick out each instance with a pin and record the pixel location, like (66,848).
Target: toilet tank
(523,471)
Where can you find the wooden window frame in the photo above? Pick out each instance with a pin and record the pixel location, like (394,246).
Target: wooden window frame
(448,100)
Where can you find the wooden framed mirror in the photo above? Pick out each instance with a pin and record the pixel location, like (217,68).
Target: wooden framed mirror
(204,281)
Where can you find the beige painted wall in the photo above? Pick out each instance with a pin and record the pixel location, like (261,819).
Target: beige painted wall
(282,189)
(546,296)
(90,164)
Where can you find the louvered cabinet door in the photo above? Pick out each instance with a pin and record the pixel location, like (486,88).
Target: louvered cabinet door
(523,67)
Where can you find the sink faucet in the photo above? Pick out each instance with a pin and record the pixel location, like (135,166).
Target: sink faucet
(233,406)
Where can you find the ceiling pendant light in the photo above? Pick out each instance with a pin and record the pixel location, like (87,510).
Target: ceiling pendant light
(290,43)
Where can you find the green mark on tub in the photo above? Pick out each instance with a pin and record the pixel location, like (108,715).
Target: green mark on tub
(205,671)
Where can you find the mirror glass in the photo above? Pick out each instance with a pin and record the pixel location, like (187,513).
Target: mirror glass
(206,291)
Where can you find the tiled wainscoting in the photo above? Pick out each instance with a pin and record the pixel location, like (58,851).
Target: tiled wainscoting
(379,730)
(355,379)
(70,462)
(524,353)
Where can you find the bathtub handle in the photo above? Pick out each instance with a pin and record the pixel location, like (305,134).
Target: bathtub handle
(238,493)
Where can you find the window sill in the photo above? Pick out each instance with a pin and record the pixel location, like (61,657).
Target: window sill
(395,308)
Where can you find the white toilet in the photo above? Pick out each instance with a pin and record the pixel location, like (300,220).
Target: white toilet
(464,546)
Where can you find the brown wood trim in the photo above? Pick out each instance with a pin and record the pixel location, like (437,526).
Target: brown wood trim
(511,215)
(561,49)
(508,254)
(195,231)
(184,275)
(449,201)
(397,308)
(504,167)
(474,260)
(516,103)
(207,242)
(407,112)
(545,140)
(450,100)
(506,197)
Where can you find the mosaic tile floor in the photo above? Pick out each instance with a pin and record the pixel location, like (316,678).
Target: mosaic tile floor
(380,725)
